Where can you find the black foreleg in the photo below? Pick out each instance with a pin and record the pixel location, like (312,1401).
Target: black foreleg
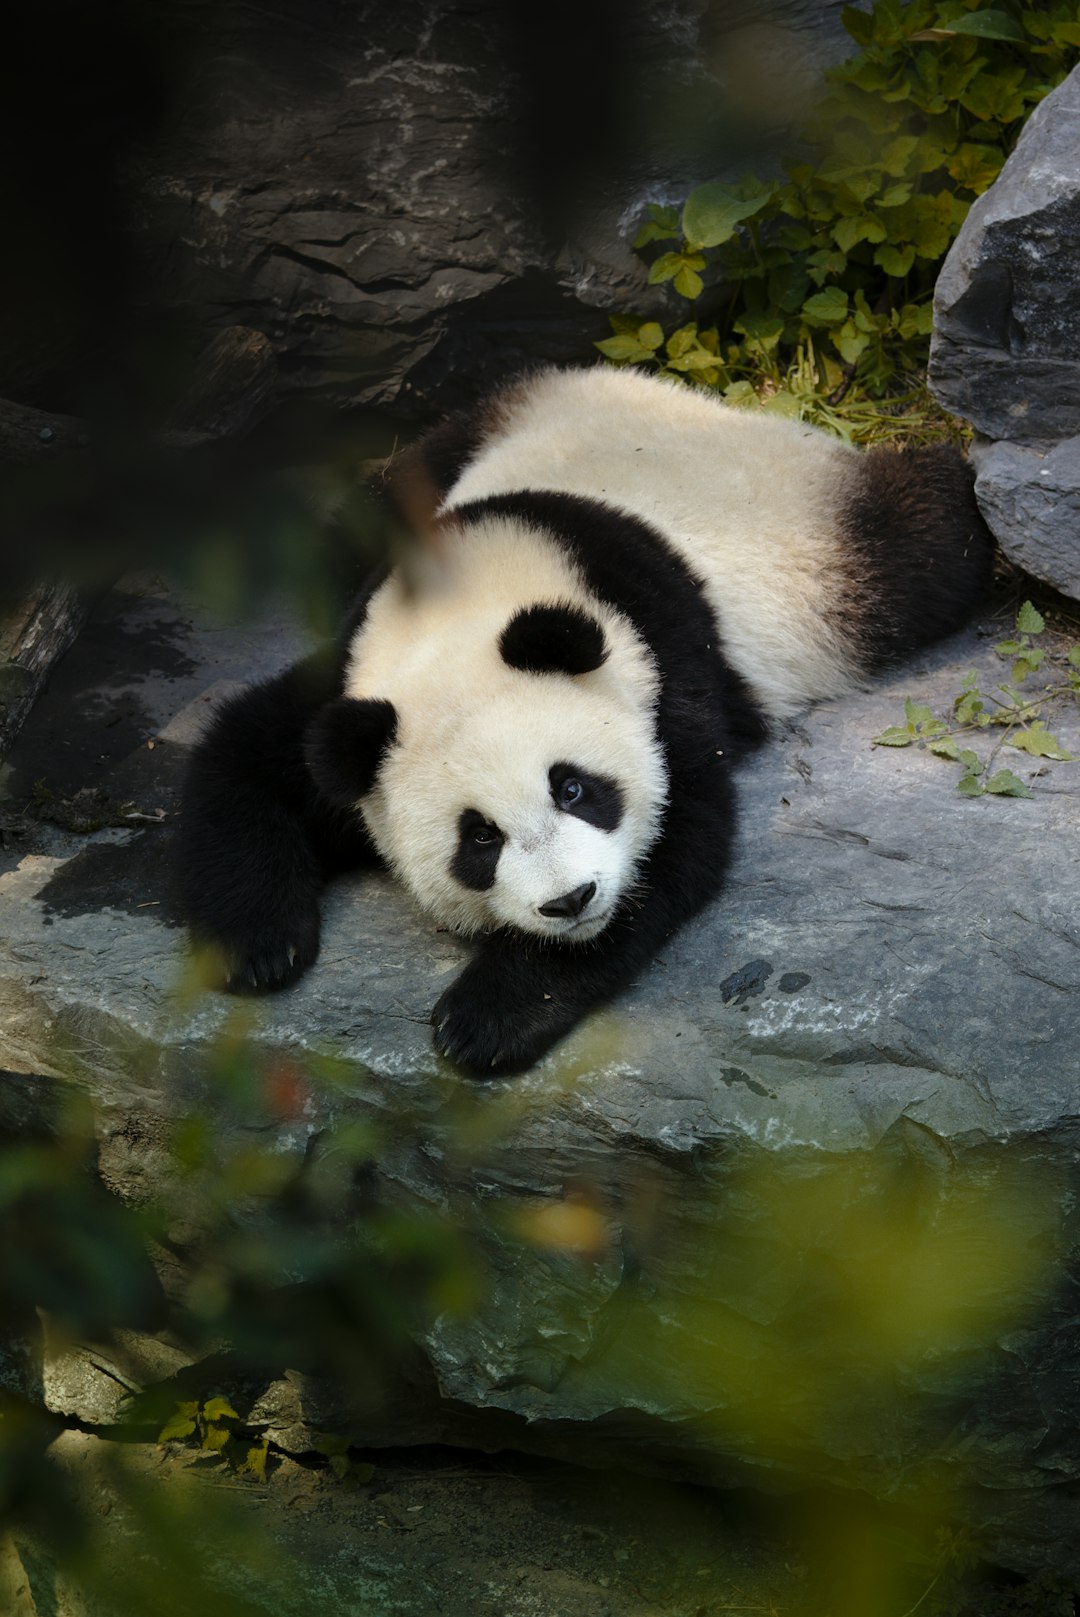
(519,995)
(256,841)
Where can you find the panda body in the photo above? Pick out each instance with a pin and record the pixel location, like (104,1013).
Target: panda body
(753,503)
(533,719)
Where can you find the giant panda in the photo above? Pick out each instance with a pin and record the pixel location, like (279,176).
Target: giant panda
(534,718)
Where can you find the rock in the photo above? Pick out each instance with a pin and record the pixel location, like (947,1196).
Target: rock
(797,1208)
(1031,499)
(407,200)
(1006,347)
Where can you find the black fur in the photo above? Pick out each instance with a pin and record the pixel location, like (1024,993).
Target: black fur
(429,468)
(344,746)
(559,639)
(921,554)
(600,802)
(256,840)
(477,855)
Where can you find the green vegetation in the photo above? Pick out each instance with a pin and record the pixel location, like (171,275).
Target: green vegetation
(1015,710)
(813,290)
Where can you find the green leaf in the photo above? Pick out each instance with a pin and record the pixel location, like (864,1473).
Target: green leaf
(858,25)
(681,341)
(1073,657)
(713,212)
(1006,784)
(945,747)
(917,713)
(975,167)
(219,1409)
(827,308)
(688,283)
(662,225)
(784,404)
(895,157)
(180,1424)
(895,260)
(255,1460)
(995,96)
(1029,663)
(624,350)
(894,736)
(665,268)
(847,233)
(850,342)
(741,394)
(970,786)
(971,761)
(984,25)
(761,328)
(651,334)
(1037,741)
(1029,621)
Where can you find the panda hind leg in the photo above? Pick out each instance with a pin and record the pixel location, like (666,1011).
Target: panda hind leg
(924,554)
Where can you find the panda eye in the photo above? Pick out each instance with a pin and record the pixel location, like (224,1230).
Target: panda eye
(570,792)
(485,835)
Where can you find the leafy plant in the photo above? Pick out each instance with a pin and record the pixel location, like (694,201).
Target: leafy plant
(1018,717)
(827,273)
(212,1423)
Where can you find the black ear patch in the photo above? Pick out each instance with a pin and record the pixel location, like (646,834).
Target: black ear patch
(558,639)
(344,746)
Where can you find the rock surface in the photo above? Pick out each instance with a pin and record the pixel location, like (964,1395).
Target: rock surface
(410,199)
(1006,348)
(799,1206)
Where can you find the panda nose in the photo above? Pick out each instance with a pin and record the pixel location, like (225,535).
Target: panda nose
(570,904)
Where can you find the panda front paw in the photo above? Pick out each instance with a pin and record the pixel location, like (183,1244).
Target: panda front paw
(260,959)
(498,1019)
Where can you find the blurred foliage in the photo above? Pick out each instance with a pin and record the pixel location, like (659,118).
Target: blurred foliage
(1017,710)
(824,278)
(815,1303)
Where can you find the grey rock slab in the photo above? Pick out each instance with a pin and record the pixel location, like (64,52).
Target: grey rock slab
(1031,499)
(847,1092)
(1006,346)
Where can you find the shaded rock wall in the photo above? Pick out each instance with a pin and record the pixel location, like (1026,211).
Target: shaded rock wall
(406,199)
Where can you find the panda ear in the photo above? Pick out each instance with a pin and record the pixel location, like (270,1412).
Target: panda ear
(344,746)
(559,639)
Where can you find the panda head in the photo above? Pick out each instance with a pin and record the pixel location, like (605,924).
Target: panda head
(518,787)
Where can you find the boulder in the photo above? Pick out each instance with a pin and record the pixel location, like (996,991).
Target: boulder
(1005,352)
(798,1208)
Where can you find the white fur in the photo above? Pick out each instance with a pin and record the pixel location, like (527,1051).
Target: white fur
(476,733)
(749,499)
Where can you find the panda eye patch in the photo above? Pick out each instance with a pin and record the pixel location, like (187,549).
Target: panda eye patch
(596,799)
(479,845)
